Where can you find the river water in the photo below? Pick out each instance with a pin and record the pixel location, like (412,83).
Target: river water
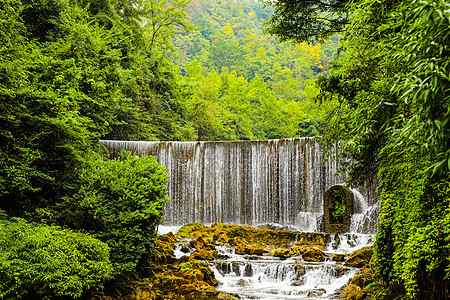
(261,182)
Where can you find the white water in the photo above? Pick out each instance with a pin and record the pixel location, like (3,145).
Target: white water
(257,183)
(243,182)
(267,277)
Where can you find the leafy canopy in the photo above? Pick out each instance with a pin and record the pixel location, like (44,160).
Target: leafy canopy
(305,21)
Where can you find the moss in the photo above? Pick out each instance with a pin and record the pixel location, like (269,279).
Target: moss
(360,257)
(190,230)
(204,254)
(314,254)
(299,250)
(338,257)
(283,253)
(352,292)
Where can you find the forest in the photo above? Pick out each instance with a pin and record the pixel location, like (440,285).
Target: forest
(372,74)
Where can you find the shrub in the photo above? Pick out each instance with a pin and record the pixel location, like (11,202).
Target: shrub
(120,202)
(39,261)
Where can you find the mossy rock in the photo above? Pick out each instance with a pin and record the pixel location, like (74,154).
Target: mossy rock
(204,254)
(317,239)
(169,238)
(162,251)
(187,288)
(281,252)
(220,237)
(314,254)
(360,257)
(166,282)
(259,251)
(352,292)
(365,276)
(191,230)
(338,257)
(251,250)
(192,269)
(299,250)
(201,243)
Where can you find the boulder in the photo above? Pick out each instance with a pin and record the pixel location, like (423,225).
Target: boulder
(352,292)
(204,254)
(316,292)
(314,254)
(360,257)
(338,257)
(283,253)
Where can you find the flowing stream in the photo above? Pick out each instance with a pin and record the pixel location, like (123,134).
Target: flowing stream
(278,182)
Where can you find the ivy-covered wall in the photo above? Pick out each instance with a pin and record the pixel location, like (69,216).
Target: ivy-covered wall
(337,208)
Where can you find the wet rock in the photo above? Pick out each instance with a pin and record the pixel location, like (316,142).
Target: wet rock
(298,282)
(204,254)
(338,257)
(360,257)
(241,283)
(248,271)
(314,254)
(283,253)
(316,292)
(352,292)
(336,242)
(277,227)
(224,267)
(185,249)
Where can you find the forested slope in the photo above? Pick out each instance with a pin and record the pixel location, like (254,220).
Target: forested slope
(392,82)
(74,71)
(241,83)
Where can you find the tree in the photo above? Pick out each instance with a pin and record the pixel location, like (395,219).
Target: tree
(304,21)
(120,202)
(162,21)
(393,120)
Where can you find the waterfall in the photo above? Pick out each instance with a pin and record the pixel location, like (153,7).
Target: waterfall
(242,182)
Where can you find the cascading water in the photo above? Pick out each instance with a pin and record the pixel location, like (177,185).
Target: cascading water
(242,182)
(253,183)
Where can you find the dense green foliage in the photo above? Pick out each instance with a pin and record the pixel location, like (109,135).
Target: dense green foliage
(303,21)
(41,262)
(339,211)
(392,82)
(78,74)
(120,203)
(72,72)
(239,83)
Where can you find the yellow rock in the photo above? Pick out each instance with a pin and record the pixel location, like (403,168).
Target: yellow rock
(283,253)
(314,254)
(360,257)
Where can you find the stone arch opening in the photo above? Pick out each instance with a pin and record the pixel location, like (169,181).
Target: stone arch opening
(337,209)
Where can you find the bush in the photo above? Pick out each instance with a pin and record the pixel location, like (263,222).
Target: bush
(120,202)
(39,261)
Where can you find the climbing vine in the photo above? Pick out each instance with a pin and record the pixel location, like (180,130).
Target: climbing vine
(339,210)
